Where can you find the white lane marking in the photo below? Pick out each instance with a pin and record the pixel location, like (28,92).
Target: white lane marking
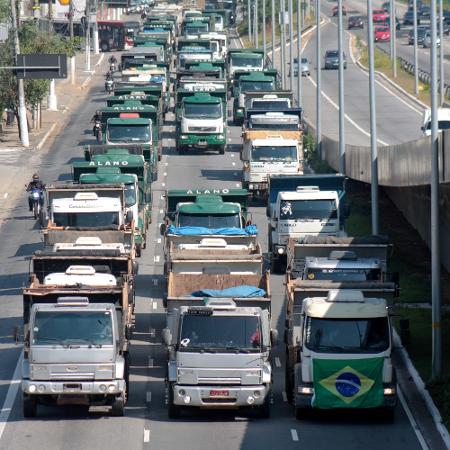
(162,197)
(163,184)
(148,397)
(154,305)
(161,211)
(6,195)
(229,139)
(233,163)
(156,259)
(413,422)
(284,395)
(232,155)
(294,435)
(165,174)
(158,240)
(166,164)
(146,435)
(11,395)
(155,282)
(150,362)
(277,362)
(335,105)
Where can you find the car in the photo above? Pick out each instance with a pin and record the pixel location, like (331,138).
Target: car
(424,11)
(379,15)
(421,31)
(427,40)
(331,60)
(443,117)
(408,18)
(382,33)
(355,22)
(388,23)
(335,10)
(306,72)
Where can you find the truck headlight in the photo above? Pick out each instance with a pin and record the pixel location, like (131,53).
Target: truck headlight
(389,391)
(280,250)
(111,388)
(305,390)
(32,388)
(220,136)
(183,136)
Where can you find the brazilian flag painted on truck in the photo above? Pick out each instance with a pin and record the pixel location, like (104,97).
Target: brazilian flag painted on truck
(348,383)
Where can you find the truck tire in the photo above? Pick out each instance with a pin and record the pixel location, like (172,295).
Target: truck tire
(138,250)
(288,386)
(118,406)
(173,411)
(275,265)
(222,150)
(29,405)
(264,409)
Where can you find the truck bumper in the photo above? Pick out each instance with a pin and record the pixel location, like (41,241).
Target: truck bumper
(73,388)
(242,396)
(203,141)
(304,394)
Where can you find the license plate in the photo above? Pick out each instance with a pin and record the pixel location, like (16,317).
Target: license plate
(219,393)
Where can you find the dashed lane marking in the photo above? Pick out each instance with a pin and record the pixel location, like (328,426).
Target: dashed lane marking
(294,435)
(157,257)
(150,362)
(6,195)
(148,397)
(284,395)
(154,305)
(146,435)
(277,362)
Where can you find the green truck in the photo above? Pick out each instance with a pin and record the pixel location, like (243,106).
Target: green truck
(201,120)
(132,123)
(250,82)
(132,172)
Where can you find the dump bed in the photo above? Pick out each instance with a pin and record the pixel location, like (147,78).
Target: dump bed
(181,286)
(69,190)
(251,135)
(214,256)
(375,247)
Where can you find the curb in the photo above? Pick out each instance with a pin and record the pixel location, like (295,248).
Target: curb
(45,137)
(420,385)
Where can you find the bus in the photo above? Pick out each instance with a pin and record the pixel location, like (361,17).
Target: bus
(112,35)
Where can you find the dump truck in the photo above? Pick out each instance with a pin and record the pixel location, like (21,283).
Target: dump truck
(77,327)
(136,192)
(250,59)
(303,205)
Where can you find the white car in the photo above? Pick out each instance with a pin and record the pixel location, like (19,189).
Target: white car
(443,120)
(427,40)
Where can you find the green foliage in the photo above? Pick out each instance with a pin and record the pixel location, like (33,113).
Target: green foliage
(5,10)
(312,155)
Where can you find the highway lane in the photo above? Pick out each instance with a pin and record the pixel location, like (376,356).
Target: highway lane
(146,424)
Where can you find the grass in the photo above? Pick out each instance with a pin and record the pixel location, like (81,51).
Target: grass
(404,79)
(419,350)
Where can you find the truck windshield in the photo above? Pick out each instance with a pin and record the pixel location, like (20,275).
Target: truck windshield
(70,328)
(246,62)
(130,195)
(257,86)
(209,220)
(273,125)
(129,133)
(347,335)
(308,209)
(343,274)
(271,153)
(196,30)
(223,333)
(270,104)
(202,111)
(86,220)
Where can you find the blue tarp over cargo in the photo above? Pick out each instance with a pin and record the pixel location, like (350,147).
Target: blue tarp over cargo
(234,292)
(250,230)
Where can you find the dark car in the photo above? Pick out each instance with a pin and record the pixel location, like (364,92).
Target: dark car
(408,18)
(355,22)
(386,6)
(421,31)
(388,23)
(424,11)
(446,17)
(336,9)
(331,60)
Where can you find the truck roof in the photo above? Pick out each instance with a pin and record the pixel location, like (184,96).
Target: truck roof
(308,195)
(329,263)
(68,307)
(80,275)
(345,304)
(257,76)
(202,97)
(86,203)
(128,121)
(209,204)
(105,178)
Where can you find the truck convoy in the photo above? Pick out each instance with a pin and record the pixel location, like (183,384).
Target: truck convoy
(79,306)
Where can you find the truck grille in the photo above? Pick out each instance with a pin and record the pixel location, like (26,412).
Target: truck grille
(219,400)
(202,129)
(213,380)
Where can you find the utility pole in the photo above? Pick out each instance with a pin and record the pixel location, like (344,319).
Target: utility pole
(273,33)
(255,26)
(416,56)
(341,91)
(52,102)
(441,55)
(264,29)
(93,12)
(282,43)
(319,83)
(436,352)
(23,126)
(291,45)
(373,121)
(249,19)
(299,52)
(393,37)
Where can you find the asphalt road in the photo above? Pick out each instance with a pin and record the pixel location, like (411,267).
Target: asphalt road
(145,424)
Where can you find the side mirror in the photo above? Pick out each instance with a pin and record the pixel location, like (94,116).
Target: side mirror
(274,337)
(166,337)
(163,229)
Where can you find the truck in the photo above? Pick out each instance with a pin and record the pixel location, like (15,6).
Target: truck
(339,353)
(77,327)
(137,192)
(201,120)
(303,205)
(268,101)
(250,82)
(250,59)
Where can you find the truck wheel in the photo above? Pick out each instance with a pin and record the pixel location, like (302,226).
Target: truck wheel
(138,250)
(118,406)
(288,386)
(388,414)
(275,265)
(29,407)
(222,150)
(174,411)
(264,409)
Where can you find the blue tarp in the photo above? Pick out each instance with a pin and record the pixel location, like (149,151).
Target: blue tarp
(234,292)
(250,230)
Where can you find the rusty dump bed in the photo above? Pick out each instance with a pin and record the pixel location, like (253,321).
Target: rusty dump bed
(181,286)
(250,135)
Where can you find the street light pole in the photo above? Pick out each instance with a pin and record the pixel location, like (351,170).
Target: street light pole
(393,37)
(273,33)
(23,126)
(436,358)
(373,122)
(341,91)
(249,19)
(441,55)
(319,83)
(416,55)
(299,52)
(291,45)
(282,44)
(264,37)
(256,25)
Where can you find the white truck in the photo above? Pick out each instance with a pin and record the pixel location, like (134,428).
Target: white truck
(303,205)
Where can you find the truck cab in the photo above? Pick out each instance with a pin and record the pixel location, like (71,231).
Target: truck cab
(343,343)
(316,207)
(218,44)
(245,60)
(128,129)
(219,357)
(269,156)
